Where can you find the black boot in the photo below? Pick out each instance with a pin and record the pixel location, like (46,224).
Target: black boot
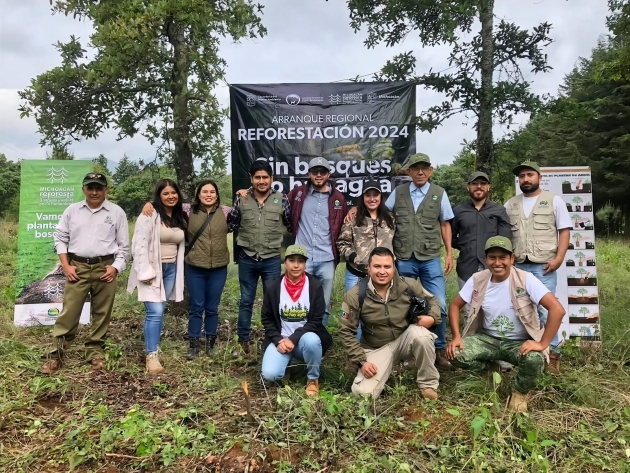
(210,341)
(193,349)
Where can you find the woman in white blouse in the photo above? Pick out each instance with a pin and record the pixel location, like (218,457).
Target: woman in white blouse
(158,263)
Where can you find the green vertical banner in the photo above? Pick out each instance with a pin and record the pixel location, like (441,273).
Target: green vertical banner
(47,188)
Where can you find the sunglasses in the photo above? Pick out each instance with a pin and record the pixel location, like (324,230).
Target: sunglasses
(319,171)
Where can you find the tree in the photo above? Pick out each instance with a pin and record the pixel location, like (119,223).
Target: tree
(60,151)
(126,168)
(486,79)
(100,166)
(151,69)
(10,188)
(583,310)
(582,291)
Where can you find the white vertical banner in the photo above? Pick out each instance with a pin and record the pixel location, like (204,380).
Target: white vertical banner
(577,288)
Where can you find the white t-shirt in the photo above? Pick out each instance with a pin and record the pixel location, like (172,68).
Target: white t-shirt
(293,314)
(499,317)
(563,220)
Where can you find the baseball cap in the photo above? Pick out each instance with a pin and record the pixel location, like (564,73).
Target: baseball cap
(527,164)
(417,158)
(293,250)
(319,162)
(371,184)
(95,178)
(477,175)
(499,242)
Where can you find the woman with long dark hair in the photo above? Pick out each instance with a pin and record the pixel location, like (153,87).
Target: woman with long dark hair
(158,263)
(206,264)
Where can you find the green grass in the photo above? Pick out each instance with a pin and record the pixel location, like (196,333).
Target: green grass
(192,417)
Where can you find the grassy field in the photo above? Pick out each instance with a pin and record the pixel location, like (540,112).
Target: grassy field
(192,417)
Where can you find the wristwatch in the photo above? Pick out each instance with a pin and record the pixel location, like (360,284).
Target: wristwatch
(361,363)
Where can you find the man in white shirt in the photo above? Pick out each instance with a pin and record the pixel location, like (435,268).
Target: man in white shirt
(540,235)
(503,323)
(92,241)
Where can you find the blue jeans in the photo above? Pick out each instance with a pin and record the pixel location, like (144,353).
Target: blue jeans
(154,319)
(325,274)
(249,270)
(205,287)
(308,350)
(432,279)
(351,281)
(550,280)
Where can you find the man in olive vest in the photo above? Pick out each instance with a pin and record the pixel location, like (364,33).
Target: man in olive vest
(540,235)
(258,217)
(422,212)
(503,323)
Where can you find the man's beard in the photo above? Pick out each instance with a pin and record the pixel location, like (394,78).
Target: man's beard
(319,188)
(474,198)
(533,188)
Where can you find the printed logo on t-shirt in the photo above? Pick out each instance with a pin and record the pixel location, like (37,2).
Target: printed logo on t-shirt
(295,313)
(108,220)
(503,325)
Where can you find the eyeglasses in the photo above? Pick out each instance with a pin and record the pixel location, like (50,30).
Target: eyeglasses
(479,184)
(318,171)
(420,169)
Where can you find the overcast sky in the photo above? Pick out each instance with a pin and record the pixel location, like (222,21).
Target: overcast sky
(307,41)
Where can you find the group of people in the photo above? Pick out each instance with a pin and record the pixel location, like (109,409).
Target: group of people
(394,308)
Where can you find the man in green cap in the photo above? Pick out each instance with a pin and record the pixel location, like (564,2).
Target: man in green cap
(540,234)
(422,212)
(503,322)
(292,314)
(475,221)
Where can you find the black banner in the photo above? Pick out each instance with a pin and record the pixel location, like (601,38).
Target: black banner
(364,130)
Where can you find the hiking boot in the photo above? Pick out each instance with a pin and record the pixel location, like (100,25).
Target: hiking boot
(441,361)
(244,347)
(153,363)
(211,340)
(518,402)
(429,393)
(50,367)
(312,387)
(553,367)
(193,349)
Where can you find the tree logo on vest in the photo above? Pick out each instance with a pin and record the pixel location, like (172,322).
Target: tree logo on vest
(544,203)
(434,197)
(520,291)
(275,201)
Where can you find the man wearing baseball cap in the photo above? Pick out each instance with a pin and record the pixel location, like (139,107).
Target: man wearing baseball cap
(540,234)
(475,221)
(92,241)
(503,322)
(292,314)
(317,213)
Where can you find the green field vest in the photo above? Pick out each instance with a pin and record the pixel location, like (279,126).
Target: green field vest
(536,237)
(418,233)
(260,231)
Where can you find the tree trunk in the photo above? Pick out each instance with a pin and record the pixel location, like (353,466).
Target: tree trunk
(182,158)
(484,125)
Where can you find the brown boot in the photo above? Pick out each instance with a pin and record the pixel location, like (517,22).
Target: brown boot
(153,364)
(518,402)
(441,361)
(553,367)
(429,393)
(245,346)
(312,387)
(51,366)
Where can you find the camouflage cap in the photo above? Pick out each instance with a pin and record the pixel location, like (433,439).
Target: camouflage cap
(477,175)
(417,158)
(296,250)
(499,242)
(527,164)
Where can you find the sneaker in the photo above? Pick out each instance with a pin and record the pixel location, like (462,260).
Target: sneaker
(553,367)
(153,363)
(518,402)
(429,393)
(312,387)
(441,361)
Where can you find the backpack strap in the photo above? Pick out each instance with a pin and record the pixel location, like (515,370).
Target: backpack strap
(362,290)
(408,291)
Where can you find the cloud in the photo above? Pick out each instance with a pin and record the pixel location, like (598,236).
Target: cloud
(307,42)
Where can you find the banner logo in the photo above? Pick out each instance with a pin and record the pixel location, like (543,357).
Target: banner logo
(251,100)
(57,175)
(293,99)
(54,312)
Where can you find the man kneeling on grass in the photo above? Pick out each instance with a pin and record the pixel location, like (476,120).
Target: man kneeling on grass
(503,323)
(395,314)
(292,313)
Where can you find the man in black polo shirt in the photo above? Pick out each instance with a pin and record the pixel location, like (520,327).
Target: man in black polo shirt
(475,221)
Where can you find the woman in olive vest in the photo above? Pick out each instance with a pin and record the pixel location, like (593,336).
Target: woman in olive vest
(206,262)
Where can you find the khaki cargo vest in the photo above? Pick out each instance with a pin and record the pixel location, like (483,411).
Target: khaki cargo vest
(260,231)
(418,233)
(525,309)
(536,237)
(210,250)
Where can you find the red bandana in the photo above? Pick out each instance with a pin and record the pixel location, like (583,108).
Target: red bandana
(294,289)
